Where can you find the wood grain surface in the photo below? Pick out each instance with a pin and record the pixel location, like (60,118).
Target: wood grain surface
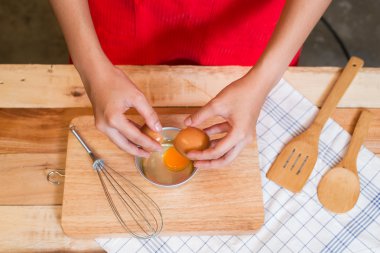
(37,229)
(225,200)
(28,132)
(23,179)
(17,145)
(59,86)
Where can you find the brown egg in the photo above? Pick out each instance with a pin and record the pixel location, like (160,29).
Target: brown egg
(191,138)
(154,135)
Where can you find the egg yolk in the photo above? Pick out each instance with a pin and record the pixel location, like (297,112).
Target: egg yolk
(174,160)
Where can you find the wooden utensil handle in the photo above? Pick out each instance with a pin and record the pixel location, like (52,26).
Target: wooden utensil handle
(357,139)
(340,86)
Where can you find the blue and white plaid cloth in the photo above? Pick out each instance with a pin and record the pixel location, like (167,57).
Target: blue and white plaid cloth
(293,222)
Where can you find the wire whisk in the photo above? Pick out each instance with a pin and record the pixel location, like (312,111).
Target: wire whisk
(126,199)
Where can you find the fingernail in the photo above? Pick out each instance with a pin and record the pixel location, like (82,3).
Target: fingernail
(188,121)
(158,127)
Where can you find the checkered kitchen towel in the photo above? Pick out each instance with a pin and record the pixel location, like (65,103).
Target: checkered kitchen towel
(293,222)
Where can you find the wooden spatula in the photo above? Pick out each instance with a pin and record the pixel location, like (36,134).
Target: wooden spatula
(339,188)
(294,164)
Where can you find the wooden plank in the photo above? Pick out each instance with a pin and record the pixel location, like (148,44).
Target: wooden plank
(40,131)
(23,179)
(59,86)
(40,155)
(315,83)
(226,200)
(16,138)
(37,229)
(45,131)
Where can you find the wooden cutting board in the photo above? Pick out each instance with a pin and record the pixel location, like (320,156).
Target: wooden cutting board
(214,202)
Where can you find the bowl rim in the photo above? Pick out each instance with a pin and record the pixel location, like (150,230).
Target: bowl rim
(140,170)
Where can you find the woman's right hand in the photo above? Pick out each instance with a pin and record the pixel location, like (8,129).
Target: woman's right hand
(112,93)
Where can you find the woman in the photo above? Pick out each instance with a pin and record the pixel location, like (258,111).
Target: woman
(264,34)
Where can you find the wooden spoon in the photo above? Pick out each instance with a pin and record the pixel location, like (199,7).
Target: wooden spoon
(294,164)
(339,189)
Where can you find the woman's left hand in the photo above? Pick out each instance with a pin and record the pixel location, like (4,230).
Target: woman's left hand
(239,104)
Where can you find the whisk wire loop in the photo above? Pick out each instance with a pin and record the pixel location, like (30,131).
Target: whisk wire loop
(139,214)
(140,195)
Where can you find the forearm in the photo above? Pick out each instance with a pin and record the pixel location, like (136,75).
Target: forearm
(296,22)
(75,20)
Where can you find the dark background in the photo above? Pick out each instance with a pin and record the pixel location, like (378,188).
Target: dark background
(29,33)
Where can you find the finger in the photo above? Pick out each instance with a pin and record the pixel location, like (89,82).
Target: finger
(213,143)
(149,115)
(132,133)
(200,116)
(138,126)
(218,128)
(124,144)
(222,147)
(136,136)
(223,161)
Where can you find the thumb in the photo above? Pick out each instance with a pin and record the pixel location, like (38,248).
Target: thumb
(200,116)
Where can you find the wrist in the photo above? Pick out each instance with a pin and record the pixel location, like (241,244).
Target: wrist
(94,70)
(89,66)
(268,70)
(261,80)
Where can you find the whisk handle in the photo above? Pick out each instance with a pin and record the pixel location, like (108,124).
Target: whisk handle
(81,141)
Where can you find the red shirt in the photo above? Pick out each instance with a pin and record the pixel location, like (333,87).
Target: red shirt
(205,32)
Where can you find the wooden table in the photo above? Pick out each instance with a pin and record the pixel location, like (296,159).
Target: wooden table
(37,103)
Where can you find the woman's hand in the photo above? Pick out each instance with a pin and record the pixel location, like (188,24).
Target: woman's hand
(112,93)
(109,89)
(239,104)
